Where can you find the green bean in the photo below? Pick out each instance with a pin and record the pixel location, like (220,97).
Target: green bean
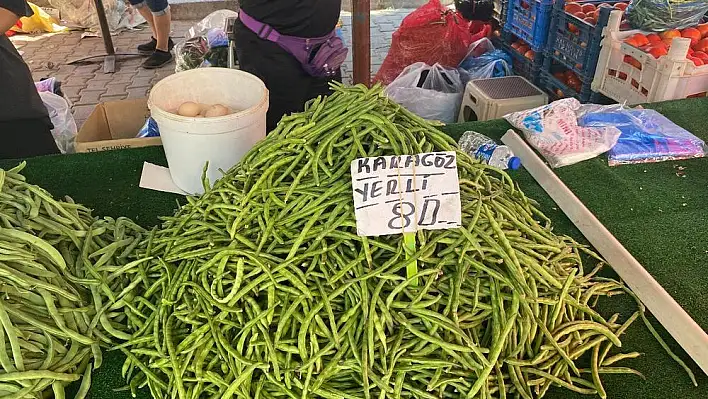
(262,287)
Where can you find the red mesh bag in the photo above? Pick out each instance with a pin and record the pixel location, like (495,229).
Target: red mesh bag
(430,34)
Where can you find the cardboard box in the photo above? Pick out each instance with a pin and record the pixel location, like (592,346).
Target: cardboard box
(113,125)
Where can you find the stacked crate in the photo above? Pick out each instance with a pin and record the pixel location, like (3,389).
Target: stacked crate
(527,21)
(573,49)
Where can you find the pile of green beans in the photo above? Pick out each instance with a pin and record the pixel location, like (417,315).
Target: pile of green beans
(57,262)
(261,288)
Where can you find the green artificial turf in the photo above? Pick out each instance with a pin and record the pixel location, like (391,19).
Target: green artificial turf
(660,217)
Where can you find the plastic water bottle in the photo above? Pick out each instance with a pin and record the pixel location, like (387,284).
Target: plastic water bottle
(487,151)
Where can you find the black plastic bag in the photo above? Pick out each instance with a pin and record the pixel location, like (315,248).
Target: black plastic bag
(475,10)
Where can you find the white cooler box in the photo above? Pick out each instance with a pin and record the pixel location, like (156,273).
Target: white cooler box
(487,99)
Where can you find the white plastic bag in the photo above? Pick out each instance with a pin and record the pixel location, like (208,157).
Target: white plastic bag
(65,129)
(431,92)
(205,44)
(217,19)
(81,14)
(554,131)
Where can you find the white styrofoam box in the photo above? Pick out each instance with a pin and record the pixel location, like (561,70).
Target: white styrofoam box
(495,97)
(670,77)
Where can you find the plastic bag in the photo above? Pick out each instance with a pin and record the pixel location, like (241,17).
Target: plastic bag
(217,19)
(191,53)
(475,10)
(431,34)
(39,22)
(51,85)
(64,130)
(205,44)
(554,131)
(647,136)
(149,129)
(661,15)
(431,92)
(81,14)
(483,61)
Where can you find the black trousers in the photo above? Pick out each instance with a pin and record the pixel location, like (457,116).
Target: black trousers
(289,85)
(26,138)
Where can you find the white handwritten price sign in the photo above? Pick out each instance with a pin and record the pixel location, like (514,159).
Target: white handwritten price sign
(406,193)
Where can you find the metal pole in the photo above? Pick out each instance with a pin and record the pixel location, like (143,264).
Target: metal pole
(361,34)
(105,30)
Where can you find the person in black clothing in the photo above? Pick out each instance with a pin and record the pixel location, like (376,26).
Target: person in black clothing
(25,127)
(289,85)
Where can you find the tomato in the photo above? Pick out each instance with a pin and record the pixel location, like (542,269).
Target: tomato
(670,34)
(588,8)
(573,82)
(653,38)
(702,45)
(628,59)
(693,34)
(696,61)
(658,51)
(621,6)
(703,28)
(572,8)
(703,56)
(638,40)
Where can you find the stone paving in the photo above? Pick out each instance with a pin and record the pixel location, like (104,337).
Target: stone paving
(86,85)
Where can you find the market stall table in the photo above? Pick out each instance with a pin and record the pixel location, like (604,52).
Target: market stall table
(658,211)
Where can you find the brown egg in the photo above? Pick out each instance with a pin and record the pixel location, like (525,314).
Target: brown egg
(189,109)
(216,110)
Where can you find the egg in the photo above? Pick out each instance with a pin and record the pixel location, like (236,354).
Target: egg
(217,110)
(189,109)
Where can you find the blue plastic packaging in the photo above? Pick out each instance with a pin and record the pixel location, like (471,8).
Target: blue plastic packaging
(216,37)
(647,136)
(493,64)
(149,129)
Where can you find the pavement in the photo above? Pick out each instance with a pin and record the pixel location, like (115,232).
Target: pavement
(86,85)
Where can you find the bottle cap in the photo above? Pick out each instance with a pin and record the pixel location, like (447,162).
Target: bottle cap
(514,163)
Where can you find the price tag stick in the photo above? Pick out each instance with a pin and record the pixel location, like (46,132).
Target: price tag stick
(412,267)
(403,194)
(409,239)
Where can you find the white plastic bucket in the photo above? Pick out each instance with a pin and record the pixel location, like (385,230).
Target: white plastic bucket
(190,143)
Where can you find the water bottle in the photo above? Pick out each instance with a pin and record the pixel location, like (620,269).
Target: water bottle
(487,151)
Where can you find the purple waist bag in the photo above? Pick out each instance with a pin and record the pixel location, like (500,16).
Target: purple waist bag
(319,56)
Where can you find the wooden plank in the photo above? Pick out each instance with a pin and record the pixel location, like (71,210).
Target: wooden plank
(670,314)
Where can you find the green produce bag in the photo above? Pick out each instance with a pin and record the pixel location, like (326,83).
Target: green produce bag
(661,15)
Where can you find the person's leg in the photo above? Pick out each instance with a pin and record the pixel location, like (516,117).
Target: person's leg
(163,44)
(147,14)
(282,74)
(144,10)
(163,25)
(26,138)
